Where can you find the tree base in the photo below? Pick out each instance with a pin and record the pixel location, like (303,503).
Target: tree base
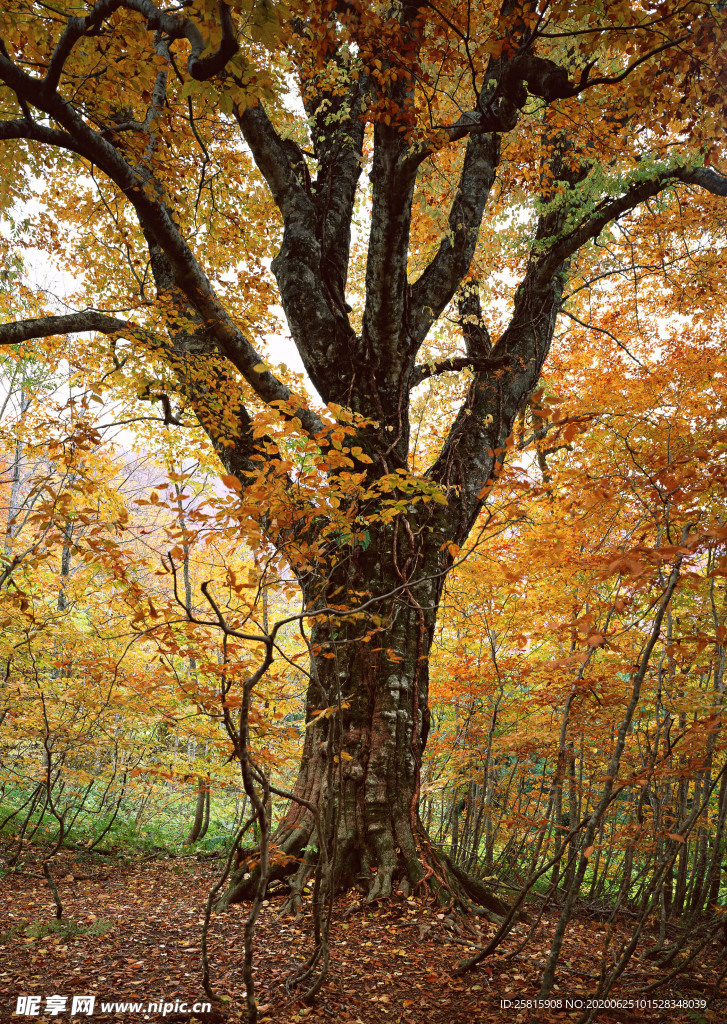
(435,876)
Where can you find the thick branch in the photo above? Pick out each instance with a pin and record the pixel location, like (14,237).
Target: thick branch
(477,439)
(704,177)
(545,79)
(170,25)
(499,102)
(203,68)
(319,324)
(393,180)
(75,29)
(337,129)
(23,128)
(479,434)
(240,458)
(436,286)
(206,381)
(311,267)
(69,323)
(478,343)
(273,161)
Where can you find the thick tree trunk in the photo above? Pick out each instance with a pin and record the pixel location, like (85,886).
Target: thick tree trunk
(368,721)
(373,667)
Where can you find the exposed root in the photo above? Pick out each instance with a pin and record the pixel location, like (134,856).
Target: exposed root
(294,902)
(381,884)
(438,878)
(454,888)
(284,861)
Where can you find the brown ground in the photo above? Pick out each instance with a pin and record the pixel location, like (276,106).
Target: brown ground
(388,964)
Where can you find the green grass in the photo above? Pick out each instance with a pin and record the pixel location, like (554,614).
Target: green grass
(65,929)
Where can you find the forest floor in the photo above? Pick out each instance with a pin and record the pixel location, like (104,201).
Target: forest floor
(390,964)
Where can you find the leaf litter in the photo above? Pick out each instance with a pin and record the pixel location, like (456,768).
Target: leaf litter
(134,936)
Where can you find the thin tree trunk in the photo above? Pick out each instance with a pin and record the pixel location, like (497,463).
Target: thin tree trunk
(17,478)
(198,830)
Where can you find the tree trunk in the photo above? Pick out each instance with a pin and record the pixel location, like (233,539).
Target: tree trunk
(201,812)
(206,819)
(367,709)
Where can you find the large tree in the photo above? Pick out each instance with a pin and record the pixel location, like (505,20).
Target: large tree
(500,141)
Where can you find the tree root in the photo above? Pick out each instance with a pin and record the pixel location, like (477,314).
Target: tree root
(284,861)
(294,903)
(381,885)
(441,879)
(458,889)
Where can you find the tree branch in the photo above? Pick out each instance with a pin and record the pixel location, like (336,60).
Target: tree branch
(68,323)
(337,128)
(434,288)
(156,219)
(272,159)
(319,326)
(479,434)
(75,29)
(170,25)
(477,441)
(704,177)
(393,179)
(708,178)
(452,365)
(478,343)
(544,79)
(609,334)
(203,68)
(26,128)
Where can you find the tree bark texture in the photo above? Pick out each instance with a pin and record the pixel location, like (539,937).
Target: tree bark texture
(367,709)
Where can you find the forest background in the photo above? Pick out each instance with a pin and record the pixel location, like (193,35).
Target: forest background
(435,619)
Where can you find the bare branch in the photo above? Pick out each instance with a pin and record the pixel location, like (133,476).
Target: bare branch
(602,330)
